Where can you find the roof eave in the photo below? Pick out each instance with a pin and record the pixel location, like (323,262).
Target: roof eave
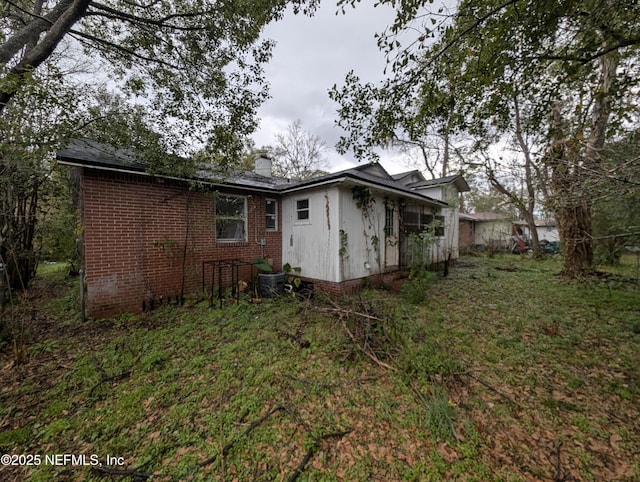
(141,172)
(346,179)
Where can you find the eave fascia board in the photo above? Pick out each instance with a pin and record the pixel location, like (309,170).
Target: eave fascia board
(69,162)
(361,182)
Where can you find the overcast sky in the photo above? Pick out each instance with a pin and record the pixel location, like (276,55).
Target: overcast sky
(311,55)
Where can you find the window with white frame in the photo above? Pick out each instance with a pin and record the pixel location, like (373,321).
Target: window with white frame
(302,209)
(231,218)
(272,215)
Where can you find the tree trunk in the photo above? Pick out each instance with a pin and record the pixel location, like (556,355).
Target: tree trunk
(527,206)
(16,246)
(533,231)
(573,211)
(38,45)
(572,174)
(574,223)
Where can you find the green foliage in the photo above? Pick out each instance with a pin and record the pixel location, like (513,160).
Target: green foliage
(415,290)
(196,67)
(343,252)
(441,414)
(476,384)
(497,71)
(59,225)
(364,198)
(420,245)
(19,436)
(261,264)
(616,213)
(29,187)
(291,275)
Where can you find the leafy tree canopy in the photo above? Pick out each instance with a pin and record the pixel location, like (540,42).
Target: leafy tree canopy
(616,208)
(26,169)
(461,69)
(196,63)
(564,73)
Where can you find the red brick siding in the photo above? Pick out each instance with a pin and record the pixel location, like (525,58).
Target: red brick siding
(135,229)
(392,279)
(349,287)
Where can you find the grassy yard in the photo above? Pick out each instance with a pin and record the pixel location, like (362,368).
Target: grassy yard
(504,372)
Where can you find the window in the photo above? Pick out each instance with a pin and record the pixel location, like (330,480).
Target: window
(439,228)
(272,215)
(417,219)
(302,209)
(426,221)
(411,219)
(231,218)
(388,221)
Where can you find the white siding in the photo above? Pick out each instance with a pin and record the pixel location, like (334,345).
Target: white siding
(448,245)
(339,242)
(550,233)
(434,192)
(312,244)
(494,233)
(367,252)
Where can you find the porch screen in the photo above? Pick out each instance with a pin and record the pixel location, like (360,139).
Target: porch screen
(419,218)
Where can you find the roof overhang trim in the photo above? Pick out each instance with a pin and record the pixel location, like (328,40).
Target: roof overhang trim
(207,182)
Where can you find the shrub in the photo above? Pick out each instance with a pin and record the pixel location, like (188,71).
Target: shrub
(415,289)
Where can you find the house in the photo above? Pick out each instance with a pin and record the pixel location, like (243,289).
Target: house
(359,223)
(489,231)
(546,228)
(494,231)
(447,189)
(150,239)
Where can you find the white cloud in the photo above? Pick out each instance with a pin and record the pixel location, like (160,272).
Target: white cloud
(311,55)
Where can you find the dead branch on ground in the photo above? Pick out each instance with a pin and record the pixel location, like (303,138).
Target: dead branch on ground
(559,476)
(491,387)
(105,378)
(362,334)
(227,448)
(330,386)
(297,338)
(308,456)
(365,349)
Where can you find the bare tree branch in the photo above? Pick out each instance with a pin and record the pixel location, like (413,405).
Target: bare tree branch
(115,14)
(96,41)
(31,30)
(45,47)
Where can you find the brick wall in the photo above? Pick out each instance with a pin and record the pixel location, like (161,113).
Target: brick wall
(345,288)
(135,231)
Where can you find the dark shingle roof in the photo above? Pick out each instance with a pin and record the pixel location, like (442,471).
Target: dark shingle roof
(94,153)
(483,217)
(91,154)
(360,174)
(402,176)
(456,179)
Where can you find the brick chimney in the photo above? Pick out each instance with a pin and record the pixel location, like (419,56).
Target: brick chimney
(263,165)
